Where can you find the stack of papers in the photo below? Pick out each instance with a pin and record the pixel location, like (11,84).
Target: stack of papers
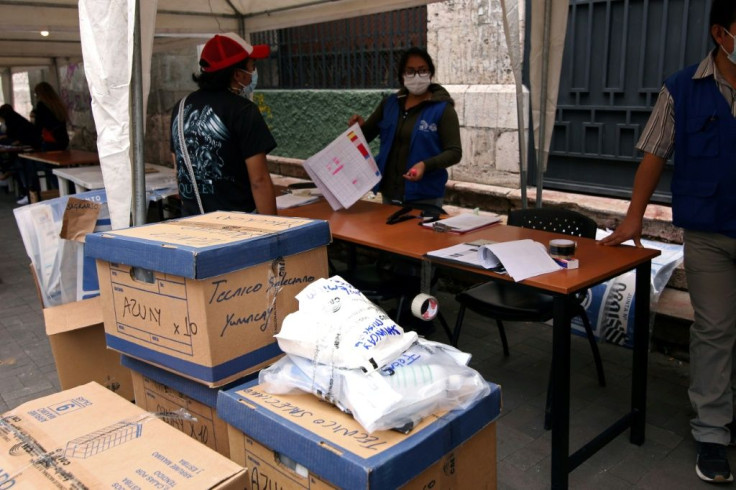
(466,254)
(522,259)
(463,222)
(345,169)
(286,201)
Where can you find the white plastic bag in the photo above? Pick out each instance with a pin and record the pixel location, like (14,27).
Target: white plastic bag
(64,273)
(427,378)
(611,305)
(338,326)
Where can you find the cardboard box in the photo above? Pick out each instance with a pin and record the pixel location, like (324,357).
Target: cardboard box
(52,233)
(298,441)
(77,338)
(157,390)
(88,437)
(216,290)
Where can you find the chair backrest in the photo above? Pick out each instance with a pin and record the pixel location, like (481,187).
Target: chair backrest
(558,220)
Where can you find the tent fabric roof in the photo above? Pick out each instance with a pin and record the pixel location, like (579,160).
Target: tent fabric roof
(179,23)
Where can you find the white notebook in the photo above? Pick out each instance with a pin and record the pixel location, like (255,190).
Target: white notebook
(464,222)
(285,201)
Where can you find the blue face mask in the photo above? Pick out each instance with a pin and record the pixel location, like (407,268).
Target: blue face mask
(247,90)
(732,54)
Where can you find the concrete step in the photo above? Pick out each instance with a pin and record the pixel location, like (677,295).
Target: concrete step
(671,329)
(676,304)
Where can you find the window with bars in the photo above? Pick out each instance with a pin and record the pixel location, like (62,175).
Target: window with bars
(357,53)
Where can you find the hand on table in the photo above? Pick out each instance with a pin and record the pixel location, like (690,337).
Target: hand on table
(630,228)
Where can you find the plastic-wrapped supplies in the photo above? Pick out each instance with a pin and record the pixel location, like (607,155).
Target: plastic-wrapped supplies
(386,380)
(338,326)
(427,378)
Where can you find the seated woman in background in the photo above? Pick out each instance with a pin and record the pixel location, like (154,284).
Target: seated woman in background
(17,130)
(50,117)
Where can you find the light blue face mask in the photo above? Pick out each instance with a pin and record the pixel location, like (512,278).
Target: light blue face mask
(732,54)
(247,90)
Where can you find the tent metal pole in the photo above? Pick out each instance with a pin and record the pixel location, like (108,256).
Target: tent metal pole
(137,125)
(523,164)
(54,75)
(541,162)
(7,83)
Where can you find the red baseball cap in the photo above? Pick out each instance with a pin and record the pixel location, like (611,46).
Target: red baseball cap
(225,50)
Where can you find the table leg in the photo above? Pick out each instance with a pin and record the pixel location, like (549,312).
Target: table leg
(560,392)
(425,277)
(641,353)
(63,186)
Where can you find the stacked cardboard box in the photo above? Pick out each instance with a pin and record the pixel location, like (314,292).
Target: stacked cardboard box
(53,233)
(194,304)
(298,441)
(203,296)
(160,391)
(88,437)
(77,338)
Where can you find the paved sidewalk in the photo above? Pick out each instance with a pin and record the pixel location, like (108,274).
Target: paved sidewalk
(666,460)
(27,368)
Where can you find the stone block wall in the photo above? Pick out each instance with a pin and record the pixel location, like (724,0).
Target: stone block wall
(466,40)
(489,133)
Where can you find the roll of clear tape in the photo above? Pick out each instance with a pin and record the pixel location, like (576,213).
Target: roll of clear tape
(425,307)
(561,248)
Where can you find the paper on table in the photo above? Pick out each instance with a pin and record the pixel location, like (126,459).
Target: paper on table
(467,254)
(464,253)
(286,201)
(464,222)
(521,258)
(345,169)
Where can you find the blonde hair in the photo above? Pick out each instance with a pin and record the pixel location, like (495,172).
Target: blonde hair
(46,94)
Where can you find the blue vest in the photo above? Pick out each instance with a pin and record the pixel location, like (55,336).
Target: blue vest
(704,177)
(425,143)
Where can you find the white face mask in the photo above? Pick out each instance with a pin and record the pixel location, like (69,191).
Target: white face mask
(417,84)
(247,90)
(732,54)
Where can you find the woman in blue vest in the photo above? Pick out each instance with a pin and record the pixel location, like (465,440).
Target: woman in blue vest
(695,115)
(420,134)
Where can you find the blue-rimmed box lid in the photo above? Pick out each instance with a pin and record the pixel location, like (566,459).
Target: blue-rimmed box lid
(210,244)
(333,446)
(197,391)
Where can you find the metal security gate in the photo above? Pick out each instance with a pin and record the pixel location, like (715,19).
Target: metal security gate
(617,54)
(355,53)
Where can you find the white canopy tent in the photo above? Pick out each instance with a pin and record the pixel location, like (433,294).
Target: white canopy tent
(177,23)
(172,24)
(548,30)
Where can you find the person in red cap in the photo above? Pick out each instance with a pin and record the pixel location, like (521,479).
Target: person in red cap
(222,134)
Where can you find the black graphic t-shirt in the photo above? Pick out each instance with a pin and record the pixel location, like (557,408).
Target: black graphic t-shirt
(221,130)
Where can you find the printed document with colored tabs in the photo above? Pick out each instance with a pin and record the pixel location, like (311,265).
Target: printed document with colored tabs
(344,170)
